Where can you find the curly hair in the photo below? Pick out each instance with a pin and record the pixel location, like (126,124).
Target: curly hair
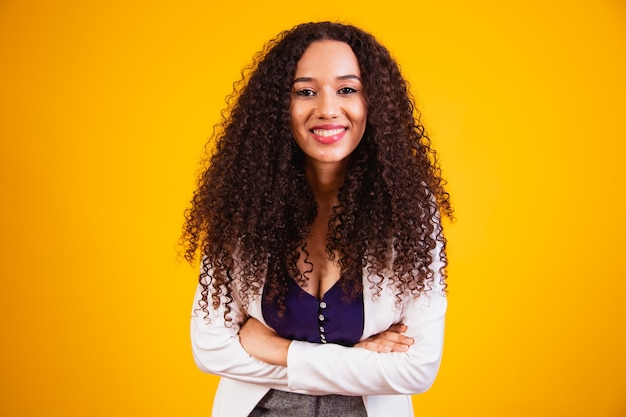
(253,209)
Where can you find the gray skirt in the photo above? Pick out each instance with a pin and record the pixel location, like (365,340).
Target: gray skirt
(287,404)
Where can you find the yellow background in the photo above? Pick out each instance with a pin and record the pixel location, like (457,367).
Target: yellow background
(104,111)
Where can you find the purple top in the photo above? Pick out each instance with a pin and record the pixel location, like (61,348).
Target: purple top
(331,320)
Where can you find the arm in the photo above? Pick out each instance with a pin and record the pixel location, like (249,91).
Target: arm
(325,369)
(264,344)
(217,350)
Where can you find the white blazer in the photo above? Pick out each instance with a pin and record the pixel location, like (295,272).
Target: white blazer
(384,380)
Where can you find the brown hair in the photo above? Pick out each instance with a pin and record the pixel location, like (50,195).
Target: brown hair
(253,207)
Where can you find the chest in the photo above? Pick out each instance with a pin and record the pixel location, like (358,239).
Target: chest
(336,318)
(380,310)
(321,270)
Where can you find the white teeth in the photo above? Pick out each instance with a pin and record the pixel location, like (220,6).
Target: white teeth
(328,132)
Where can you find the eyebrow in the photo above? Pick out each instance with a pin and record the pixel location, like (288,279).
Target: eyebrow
(342,77)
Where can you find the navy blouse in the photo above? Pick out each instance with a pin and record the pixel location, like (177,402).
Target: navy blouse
(331,320)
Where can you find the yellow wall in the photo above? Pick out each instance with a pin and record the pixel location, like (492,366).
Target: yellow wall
(104,110)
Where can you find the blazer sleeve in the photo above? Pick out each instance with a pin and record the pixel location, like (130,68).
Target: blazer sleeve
(216,348)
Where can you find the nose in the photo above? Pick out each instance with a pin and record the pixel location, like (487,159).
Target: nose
(328,106)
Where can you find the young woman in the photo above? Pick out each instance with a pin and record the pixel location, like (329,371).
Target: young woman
(322,287)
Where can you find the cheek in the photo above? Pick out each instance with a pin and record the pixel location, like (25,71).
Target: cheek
(296,117)
(292,119)
(358,112)
(297,121)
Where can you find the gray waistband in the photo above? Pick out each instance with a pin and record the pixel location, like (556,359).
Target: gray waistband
(287,404)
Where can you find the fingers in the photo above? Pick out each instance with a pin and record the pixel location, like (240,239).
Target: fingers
(393,336)
(398,328)
(391,340)
(384,347)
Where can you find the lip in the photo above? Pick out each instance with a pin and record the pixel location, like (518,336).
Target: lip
(333,138)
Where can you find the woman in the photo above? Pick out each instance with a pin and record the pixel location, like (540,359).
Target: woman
(322,288)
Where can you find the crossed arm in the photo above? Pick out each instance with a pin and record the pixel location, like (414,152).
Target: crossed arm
(265,345)
(403,359)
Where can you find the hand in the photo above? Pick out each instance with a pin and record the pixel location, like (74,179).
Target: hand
(391,340)
(263,343)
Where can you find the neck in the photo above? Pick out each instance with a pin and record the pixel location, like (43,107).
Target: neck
(325,180)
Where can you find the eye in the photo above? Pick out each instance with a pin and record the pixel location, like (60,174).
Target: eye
(347,90)
(305,92)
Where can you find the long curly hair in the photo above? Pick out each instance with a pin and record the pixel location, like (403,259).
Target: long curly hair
(253,209)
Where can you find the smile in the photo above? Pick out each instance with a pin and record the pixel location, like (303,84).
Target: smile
(329,136)
(325,133)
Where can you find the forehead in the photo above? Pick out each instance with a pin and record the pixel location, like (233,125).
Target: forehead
(328,57)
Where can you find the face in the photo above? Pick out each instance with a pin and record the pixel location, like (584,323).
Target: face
(328,107)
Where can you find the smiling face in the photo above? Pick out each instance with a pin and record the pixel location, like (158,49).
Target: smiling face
(328,106)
